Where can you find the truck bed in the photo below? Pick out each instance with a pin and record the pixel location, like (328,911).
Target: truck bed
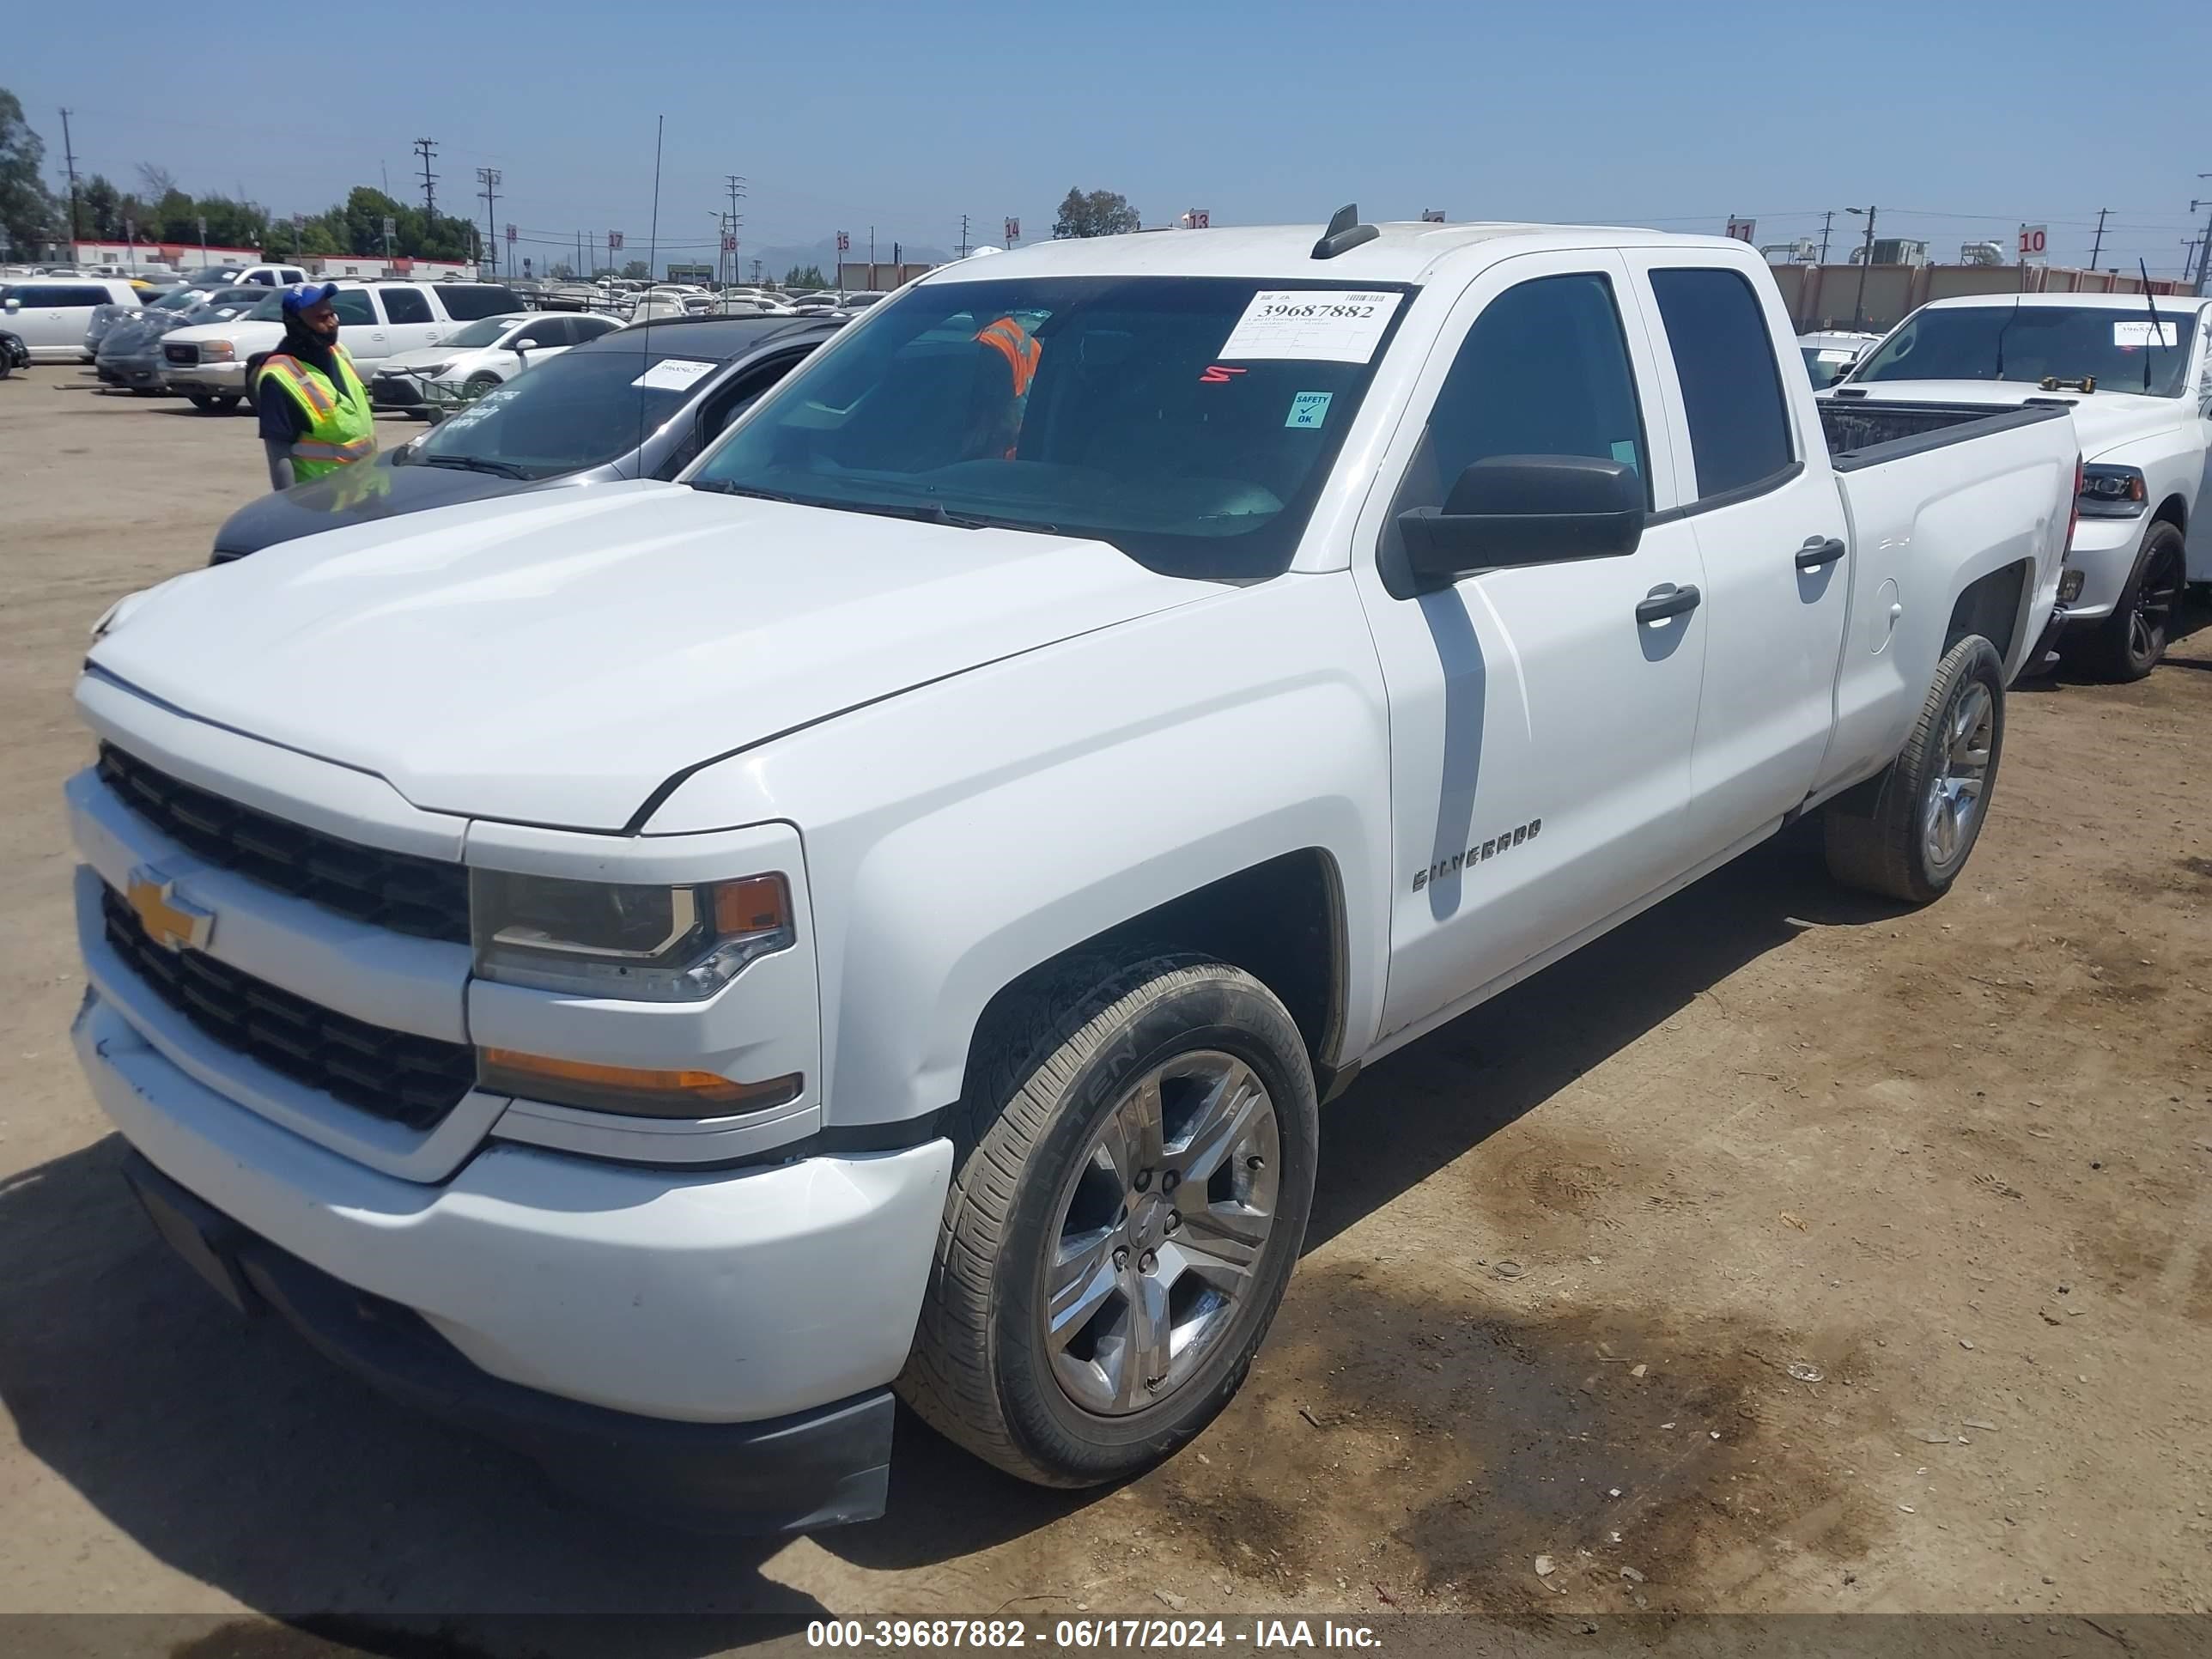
(1862,434)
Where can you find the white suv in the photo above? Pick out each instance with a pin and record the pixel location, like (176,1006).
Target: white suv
(50,313)
(212,364)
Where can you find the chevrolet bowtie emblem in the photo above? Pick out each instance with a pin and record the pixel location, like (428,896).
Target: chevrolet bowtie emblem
(170,922)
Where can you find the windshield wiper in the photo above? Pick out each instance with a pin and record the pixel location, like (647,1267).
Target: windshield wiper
(2157,334)
(724,487)
(477,464)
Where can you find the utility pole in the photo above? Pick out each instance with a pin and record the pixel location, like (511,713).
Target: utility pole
(1826,219)
(427,148)
(2098,246)
(69,160)
(2203,243)
(2188,255)
(1866,258)
(963,235)
(488,178)
(736,181)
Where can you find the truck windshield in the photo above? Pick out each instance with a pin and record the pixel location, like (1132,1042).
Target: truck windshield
(1114,408)
(2000,341)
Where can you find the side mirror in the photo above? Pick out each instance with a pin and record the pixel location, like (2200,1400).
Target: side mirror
(1524,509)
(13,304)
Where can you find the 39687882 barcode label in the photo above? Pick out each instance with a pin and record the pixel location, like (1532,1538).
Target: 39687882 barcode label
(1337,325)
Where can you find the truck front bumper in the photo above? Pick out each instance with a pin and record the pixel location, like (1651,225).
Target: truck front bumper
(714,1348)
(2103,551)
(220,379)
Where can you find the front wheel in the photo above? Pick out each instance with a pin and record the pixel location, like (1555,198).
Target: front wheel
(1907,832)
(1136,1168)
(213,403)
(2130,643)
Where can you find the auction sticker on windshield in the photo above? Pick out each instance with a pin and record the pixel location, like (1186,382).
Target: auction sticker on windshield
(2139,334)
(1337,326)
(674,373)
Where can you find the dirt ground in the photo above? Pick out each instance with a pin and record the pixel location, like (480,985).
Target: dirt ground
(1790,1251)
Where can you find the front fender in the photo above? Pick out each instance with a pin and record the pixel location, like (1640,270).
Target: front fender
(961,834)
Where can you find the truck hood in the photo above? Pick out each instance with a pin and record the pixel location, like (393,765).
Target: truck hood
(2103,419)
(339,500)
(554,658)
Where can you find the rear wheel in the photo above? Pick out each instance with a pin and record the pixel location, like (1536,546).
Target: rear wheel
(1136,1166)
(1907,832)
(2131,643)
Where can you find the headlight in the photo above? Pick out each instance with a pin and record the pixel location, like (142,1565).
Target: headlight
(2113,492)
(217,351)
(617,939)
(431,371)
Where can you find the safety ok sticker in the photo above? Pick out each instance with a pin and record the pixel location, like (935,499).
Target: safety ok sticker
(1335,325)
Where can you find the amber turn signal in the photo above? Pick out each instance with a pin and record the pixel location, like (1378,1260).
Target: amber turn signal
(637,1089)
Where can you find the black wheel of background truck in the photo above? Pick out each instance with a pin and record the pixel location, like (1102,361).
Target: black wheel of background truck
(1906,832)
(2131,641)
(1134,1166)
(213,403)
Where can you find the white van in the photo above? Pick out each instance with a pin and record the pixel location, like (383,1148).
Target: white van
(210,364)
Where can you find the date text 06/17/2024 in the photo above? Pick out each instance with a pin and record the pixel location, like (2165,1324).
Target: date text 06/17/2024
(1076,1635)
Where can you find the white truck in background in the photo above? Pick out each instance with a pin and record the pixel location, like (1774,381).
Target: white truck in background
(651,971)
(2135,375)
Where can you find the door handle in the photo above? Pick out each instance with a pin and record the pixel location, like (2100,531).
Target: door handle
(1668,600)
(1819,550)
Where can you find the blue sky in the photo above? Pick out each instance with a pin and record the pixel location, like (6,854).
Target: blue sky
(1959,121)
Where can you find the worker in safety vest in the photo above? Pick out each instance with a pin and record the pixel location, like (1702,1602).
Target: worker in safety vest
(996,419)
(315,417)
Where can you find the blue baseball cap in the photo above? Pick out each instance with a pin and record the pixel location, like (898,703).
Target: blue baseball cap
(302,296)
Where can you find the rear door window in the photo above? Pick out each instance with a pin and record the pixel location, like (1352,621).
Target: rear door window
(1723,355)
(466,301)
(355,308)
(406,304)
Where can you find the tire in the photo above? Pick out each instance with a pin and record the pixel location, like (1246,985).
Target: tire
(1033,1184)
(1884,836)
(487,381)
(2132,640)
(213,403)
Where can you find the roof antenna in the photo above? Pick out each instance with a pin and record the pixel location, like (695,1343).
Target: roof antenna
(1344,233)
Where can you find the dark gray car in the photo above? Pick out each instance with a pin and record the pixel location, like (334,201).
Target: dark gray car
(639,402)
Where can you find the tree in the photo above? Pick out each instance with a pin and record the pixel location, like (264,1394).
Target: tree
(100,206)
(805,276)
(28,215)
(156,181)
(1095,213)
(561,271)
(637,268)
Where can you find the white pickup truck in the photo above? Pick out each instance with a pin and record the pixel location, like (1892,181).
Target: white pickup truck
(2137,375)
(649,972)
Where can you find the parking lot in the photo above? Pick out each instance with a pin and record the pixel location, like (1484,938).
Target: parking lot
(1782,1251)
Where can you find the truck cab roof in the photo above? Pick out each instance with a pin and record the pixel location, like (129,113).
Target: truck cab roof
(1399,251)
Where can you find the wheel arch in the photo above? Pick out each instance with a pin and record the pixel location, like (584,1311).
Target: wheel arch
(1994,605)
(1282,921)
(2174,511)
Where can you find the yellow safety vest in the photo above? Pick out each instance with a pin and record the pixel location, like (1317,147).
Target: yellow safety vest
(341,428)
